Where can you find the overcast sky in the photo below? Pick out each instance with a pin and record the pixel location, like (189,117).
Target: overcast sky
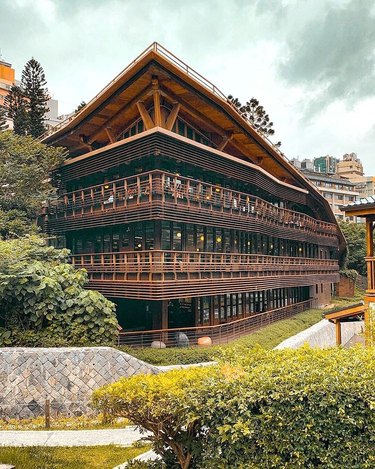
(309,62)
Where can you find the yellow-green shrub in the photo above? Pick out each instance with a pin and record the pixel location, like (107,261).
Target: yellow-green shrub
(266,409)
(159,404)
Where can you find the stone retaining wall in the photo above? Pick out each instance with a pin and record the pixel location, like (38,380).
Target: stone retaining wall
(65,376)
(323,334)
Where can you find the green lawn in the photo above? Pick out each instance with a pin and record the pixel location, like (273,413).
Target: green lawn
(88,457)
(267,337)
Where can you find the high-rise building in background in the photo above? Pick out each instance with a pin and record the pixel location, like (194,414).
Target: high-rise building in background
(350,166)
(7,80)
(325,164)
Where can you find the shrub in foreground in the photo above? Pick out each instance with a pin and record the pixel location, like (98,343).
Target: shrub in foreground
(278,409)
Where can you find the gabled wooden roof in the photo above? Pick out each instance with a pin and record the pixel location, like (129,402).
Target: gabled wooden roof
(156,78)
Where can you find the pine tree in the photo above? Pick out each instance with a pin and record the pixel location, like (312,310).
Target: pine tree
(34,86)
(16,106)
(256,115)
(3,119)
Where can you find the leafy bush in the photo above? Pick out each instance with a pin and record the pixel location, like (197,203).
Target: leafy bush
(42,298)
(158,403)
(285,409)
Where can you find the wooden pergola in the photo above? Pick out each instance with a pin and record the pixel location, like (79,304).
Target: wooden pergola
(350,314)
(365,208)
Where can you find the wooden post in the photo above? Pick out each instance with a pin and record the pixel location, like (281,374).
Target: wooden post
(338,332)
(47,414)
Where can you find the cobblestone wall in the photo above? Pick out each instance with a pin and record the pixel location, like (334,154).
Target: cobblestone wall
(65,376)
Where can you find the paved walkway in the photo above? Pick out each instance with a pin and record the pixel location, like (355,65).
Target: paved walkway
(122,436)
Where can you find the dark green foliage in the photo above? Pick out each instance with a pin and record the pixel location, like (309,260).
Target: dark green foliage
(256,115)
(25,165)
(80,106)
(16,105)
(355,234)
(3,119)
(282,409)
(27,104)
(34,86)
(42,298)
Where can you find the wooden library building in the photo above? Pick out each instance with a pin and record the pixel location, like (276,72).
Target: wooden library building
(181,212)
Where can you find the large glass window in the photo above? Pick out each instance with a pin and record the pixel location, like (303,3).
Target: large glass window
(138,237)
(166,235)
(149,235)
(177,236)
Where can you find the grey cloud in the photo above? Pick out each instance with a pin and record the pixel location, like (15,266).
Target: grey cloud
(334,55)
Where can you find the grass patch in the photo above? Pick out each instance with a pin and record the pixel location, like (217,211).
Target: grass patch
(59,422)
(88,457)
(267,337)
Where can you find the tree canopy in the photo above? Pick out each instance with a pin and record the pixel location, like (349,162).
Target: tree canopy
(255,113)
(40,293)
(355,234)
(3,119)
(25,183)
(27,103)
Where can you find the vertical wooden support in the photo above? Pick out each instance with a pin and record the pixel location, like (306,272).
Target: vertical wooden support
(157,109)
(47,414)
(338,332)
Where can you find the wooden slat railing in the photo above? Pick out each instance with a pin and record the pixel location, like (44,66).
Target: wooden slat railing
(167,187)
(186,261)
(219,334)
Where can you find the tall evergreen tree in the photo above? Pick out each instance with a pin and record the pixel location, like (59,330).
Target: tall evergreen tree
(16,106)
(34,86)
(3,119)
(256,115)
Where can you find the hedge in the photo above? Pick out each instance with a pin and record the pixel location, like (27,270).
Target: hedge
(271,409)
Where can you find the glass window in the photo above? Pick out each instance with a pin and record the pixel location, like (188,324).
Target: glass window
(200,238)
(106,243)
(149,235)
(138,237)
(166,235)
(210,239)
(115,242)
(190,238)
(177,237)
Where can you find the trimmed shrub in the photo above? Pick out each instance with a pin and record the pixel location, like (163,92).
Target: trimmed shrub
(159,404)
(279,409)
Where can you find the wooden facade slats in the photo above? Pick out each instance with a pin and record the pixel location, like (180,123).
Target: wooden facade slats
(156,144)
(144,193)
(169,289)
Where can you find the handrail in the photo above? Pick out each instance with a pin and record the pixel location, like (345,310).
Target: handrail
(218,333)
(216,326)
(158,182)
(184,261)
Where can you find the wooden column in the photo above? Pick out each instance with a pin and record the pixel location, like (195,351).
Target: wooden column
(164,314)
(338,332)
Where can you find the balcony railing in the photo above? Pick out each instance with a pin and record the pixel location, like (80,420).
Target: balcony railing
(169,188)
(160,262)
(219,334)
(370,261)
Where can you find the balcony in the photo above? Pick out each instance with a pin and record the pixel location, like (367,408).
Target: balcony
(172,274)
(159,194)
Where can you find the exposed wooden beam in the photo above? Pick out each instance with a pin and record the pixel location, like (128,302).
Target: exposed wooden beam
(85,142)
(172,116)
(123,109)
(148,122)
(226,139)
(156,95)
(110,135)
(200,118)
